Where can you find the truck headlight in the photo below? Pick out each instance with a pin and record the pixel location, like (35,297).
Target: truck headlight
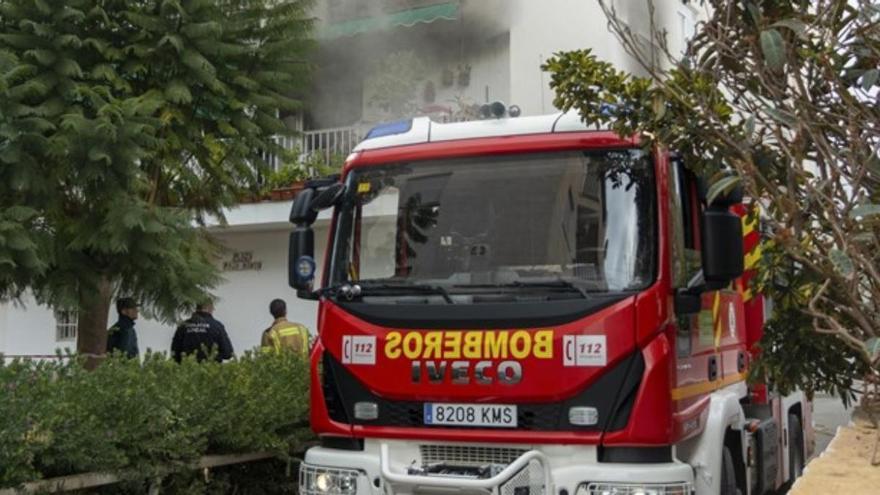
(610,488)
(319,480)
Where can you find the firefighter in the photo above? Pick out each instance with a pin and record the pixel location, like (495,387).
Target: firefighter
(284,334)
(201,334)
(121,336)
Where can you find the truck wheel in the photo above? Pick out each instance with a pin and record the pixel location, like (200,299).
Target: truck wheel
(728,474)
(795,448)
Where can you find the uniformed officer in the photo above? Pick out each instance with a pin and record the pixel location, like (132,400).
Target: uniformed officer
(200,335)
(284,334)
(121,336)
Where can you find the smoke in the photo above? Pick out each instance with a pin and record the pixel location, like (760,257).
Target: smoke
(380,60)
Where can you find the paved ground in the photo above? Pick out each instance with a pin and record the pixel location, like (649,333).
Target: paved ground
(828,414)
(846,466)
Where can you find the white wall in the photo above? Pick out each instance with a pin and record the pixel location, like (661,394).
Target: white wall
(243,304)
(244,296)
(28,329)
(538,30)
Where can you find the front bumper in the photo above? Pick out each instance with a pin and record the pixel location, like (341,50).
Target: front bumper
(383,467)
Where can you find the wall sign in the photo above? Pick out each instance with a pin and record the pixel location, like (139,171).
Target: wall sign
(242,261)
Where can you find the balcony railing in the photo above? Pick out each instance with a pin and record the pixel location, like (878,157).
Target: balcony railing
(326,143)
(332,141)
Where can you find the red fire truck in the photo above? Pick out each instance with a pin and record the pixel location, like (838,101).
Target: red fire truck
(527,306)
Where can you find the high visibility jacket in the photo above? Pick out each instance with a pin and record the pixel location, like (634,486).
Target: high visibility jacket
(284,334)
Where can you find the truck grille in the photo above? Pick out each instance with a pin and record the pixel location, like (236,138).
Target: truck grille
(467,455)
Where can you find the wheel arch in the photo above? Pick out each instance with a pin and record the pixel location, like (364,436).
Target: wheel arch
(792,404)
(703,452)
(733,440)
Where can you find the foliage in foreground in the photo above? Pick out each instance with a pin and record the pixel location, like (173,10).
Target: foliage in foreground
(140,420)
(124,123)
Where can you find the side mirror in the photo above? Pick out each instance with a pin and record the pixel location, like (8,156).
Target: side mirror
(722,247)
(301,264)
(301,213)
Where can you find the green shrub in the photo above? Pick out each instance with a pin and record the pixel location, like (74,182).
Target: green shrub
(141,419)
(297,167)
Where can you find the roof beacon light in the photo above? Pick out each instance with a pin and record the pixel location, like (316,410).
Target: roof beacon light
(390,129)
(498,109)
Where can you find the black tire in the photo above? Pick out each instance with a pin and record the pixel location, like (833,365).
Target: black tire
(728,474)
(795,448)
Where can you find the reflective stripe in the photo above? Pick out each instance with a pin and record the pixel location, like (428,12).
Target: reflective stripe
(716,321)
(290,331)
(287,334)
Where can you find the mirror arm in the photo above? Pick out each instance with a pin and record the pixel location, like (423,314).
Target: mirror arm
(697,284)
(311,295)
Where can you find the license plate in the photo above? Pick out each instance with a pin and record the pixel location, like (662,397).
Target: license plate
(491,415)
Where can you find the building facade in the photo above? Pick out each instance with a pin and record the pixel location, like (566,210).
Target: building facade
(378,61)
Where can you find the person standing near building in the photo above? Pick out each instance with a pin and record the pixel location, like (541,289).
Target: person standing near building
(121,336)
(201,334)
(284,334)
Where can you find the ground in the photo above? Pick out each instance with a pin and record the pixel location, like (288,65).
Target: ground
(844,465)
(828,414)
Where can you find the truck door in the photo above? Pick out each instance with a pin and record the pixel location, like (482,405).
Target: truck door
(697,361)
(709,346)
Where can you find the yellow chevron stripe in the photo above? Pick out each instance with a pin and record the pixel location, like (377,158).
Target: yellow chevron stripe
(752,258)
(747,226)
(716,309)
(705,387)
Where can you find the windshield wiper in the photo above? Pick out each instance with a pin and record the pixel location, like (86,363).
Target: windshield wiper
(358,289)
(521,284)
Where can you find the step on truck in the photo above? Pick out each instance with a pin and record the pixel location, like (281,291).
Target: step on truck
(526,306)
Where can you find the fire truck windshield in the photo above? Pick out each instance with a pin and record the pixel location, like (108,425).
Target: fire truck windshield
(566,222)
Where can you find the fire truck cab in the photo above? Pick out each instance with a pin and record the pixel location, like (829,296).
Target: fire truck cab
(527,306)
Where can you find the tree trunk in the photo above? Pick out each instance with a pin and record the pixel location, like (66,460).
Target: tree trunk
(91,328)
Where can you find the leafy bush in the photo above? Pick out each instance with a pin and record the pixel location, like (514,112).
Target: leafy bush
(297,167)
(140,420)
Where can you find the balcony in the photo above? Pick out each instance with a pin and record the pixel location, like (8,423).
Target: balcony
(322,145)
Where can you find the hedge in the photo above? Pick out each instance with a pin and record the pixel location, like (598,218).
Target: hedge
(139,420)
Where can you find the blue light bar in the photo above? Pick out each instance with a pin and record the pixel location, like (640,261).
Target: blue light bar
(390,128)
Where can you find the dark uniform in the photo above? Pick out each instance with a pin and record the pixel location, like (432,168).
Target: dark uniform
(122,337)
(198,335)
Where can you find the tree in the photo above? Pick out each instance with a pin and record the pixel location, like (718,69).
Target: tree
(784,93)
(123,124)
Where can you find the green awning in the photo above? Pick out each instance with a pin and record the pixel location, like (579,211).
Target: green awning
(405,18)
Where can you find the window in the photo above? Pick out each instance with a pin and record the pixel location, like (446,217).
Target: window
(684,217)
(66,321)
(469,224)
